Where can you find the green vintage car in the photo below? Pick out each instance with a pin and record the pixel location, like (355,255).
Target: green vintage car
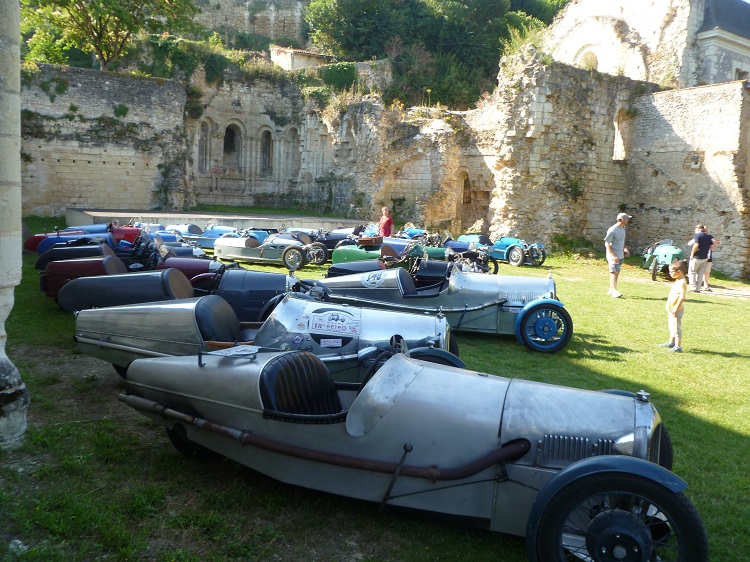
(658,256)
(373,247)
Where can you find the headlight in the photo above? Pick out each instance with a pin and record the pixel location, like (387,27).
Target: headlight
(634,444)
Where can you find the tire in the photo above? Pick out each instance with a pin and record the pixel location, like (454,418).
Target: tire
(317,253)
(492,266)
(431,357)
(453,345)
(618,516)
(546,328)
(293,258)
(666,451)
(515,256)
(654,269)
(538,255)
(120,370)
(188,449)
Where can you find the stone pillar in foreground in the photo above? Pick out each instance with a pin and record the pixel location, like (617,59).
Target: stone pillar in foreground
(14,397)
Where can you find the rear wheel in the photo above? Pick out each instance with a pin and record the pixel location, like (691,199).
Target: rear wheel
(515,256)
(120,370)
(317,253)
(293,258)
(618,517)
(178,437)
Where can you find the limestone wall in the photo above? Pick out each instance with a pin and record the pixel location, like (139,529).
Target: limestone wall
(688,165)
(548,136)
(100,140)
(271,18)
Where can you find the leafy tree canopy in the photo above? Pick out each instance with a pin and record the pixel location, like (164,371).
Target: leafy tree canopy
(103,27)
(444,50)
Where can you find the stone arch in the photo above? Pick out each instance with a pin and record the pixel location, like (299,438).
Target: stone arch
(232,147)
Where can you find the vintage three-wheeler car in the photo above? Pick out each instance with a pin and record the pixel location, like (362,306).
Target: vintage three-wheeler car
(348,339)
(658,256)
(515,251)
(293,250)
(495,304)
(583,475)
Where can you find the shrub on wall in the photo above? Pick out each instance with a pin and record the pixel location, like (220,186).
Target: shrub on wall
(120,110)
(340,76)
(215,66)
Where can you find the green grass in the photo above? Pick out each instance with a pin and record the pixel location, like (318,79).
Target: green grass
(94,480)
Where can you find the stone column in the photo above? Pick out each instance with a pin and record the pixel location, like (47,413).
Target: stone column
(14,397)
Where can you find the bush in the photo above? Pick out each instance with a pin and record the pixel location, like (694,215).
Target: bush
(340,76)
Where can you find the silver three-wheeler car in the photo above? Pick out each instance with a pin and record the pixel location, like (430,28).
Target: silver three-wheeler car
(582,474)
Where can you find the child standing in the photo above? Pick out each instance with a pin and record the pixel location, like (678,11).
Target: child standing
(675,305)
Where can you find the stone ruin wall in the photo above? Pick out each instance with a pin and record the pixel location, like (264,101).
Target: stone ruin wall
(688,165)
(535,159)
(76,153)
(547,139)
(270,18)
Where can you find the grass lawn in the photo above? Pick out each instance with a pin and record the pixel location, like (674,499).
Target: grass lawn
(95,480)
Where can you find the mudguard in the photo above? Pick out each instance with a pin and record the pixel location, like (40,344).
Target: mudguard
(597,465)
(424,354)
(522,313)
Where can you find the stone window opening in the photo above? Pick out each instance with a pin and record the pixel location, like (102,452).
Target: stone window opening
(619,152)
(588,61)
(266,149)
(466,190)
(232,147)
(204,152)
(740,74)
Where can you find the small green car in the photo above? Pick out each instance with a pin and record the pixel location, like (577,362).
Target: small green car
(657,257)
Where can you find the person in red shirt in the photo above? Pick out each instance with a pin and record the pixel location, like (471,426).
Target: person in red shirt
(385,228)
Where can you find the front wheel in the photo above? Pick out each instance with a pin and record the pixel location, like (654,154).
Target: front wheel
(317,253)
(293,258)
(178,437)
(654,269)
(537,255)
(618,517)
(546,328)
(515,256)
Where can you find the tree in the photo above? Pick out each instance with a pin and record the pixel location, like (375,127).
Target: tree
(104,27)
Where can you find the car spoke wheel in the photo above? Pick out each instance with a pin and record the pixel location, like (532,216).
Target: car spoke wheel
(538,255)
(293,258)
(546,328)
(515,256)
(317,254)
(492,265)
(619,517)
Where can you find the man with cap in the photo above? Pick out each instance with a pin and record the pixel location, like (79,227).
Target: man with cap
(614,245)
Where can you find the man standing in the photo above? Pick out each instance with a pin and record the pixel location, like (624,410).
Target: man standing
(614,245)
(702,244)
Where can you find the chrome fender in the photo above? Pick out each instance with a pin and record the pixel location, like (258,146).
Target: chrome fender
(597,465)
(525,309)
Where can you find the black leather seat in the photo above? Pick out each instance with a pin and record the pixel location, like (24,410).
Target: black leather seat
(406,282)
(299,383)
(216,319)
